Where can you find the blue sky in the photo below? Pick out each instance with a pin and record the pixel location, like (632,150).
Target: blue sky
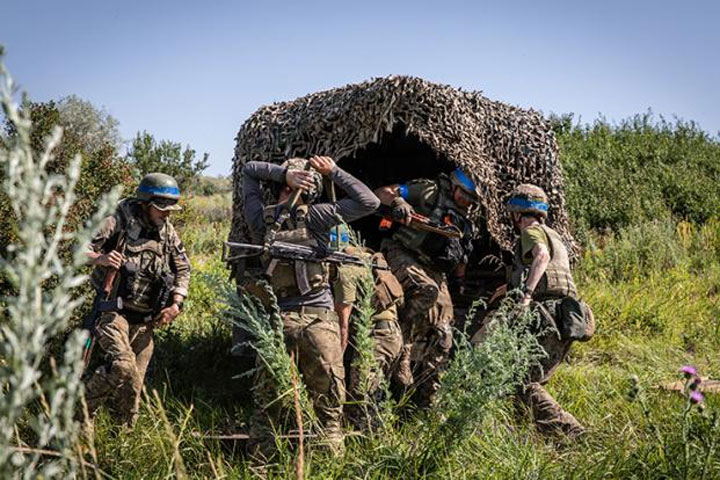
(193,71)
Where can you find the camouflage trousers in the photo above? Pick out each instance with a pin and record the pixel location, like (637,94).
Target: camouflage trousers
(314,337)
(532,398)
(426,319)
(388,342)
(128,348)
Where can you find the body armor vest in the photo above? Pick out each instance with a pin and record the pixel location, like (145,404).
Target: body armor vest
(294,278)
(442,210)
(557,281)
(146,269)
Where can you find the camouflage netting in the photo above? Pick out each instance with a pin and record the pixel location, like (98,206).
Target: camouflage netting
(396,128)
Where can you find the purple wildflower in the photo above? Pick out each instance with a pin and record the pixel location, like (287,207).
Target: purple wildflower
(688,371)
(696,397)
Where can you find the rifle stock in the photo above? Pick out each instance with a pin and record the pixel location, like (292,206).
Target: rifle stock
(418,222)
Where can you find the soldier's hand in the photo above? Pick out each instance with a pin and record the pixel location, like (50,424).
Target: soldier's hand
(299,179)
(401,210)
(113,259)
(324,165)
(167,315)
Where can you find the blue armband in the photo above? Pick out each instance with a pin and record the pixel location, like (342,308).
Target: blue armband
(403,190)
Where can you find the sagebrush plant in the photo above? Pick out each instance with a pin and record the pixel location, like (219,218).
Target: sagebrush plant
(479,375)
(39,400)
(268,342)
(372,388)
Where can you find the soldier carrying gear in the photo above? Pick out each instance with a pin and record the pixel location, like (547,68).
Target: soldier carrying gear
(541,271)
(305,301)
(153,274)
(421,262)
(387,297)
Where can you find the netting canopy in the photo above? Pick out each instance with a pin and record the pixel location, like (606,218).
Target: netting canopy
(392,129)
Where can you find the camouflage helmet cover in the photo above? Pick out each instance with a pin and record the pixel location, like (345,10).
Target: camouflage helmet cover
(528,198)
(300,164)
(159,189)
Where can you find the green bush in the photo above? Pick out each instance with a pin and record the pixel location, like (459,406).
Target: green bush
(638,170)
(102,166)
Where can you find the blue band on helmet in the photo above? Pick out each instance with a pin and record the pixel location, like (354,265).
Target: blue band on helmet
(464,180)
(159,190)
(525,203)
(403,190)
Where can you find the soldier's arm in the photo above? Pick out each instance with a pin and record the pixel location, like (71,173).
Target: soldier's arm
(401,198)
(253,174)
(360,200)
(96,254)
(180,265)
(388,193)
(541,259)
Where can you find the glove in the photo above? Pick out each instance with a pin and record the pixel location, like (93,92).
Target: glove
(401,210)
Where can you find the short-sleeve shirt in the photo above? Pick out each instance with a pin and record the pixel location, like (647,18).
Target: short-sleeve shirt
(529,238)
(346,284)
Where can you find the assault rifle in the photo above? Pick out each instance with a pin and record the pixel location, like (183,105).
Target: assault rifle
(103,303)
(290,251)
(417,222)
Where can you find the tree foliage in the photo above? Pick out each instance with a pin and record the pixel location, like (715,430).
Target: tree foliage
(147,155)
(94,139)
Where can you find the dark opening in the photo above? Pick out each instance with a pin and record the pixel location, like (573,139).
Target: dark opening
(397,158)
(400,157)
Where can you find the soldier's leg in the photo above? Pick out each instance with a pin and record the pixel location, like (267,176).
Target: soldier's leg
(548,415)
(421,294)
(320,361)
(437,336)
(116,378)
(141,341)
(388,343)
(268,416)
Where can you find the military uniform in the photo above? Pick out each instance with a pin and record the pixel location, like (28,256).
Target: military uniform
(563,318)
(555,285)
(385,333)
(421,262)
(310,325)
(155,261)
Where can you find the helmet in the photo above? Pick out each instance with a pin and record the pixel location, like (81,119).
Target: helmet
(460,179)
(160,190)
(528,198)
(300,164)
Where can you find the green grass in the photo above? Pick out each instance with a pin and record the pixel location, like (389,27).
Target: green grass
(654,315)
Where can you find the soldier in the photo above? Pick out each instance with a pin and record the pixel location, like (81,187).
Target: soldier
(541,271)
(421,261)
(140,243)
(302,288)
(385,333)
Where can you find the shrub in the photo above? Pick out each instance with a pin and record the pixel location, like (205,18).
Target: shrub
(40,403)
(637,170)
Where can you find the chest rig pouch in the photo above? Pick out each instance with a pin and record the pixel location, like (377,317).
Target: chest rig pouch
(145,278)
(388,290)
(292,278)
